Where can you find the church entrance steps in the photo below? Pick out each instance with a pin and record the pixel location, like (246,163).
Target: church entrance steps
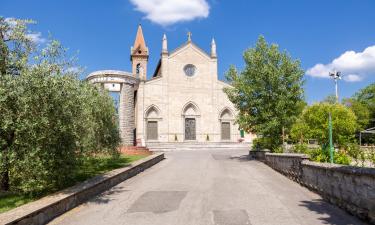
(187,146)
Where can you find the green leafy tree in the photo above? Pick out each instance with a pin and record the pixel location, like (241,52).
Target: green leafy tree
(366,96)
(314,121)
(360,110)
(50,120)
(300,132)
(268,92)
(330,99)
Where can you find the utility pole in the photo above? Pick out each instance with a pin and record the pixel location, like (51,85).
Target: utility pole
(336,75)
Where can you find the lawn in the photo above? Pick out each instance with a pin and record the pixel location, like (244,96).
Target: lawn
(91,167)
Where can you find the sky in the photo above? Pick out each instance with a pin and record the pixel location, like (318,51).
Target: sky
(325,35)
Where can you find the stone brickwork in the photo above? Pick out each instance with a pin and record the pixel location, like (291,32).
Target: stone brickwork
(287,164)
(126,114)
(351,188)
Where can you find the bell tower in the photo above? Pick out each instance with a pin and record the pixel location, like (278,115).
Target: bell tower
(139,55)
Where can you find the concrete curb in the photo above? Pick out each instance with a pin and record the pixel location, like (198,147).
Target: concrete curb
(49,207)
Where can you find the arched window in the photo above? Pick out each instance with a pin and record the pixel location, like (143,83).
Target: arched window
(138,68)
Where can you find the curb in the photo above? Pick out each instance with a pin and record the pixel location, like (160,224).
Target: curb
(47,208)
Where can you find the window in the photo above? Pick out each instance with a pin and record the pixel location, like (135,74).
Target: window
(138,68)
(190,70)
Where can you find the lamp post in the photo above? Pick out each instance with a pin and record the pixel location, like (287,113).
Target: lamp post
(336,75)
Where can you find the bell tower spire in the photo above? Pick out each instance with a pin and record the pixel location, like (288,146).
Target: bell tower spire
(213,49)
(164,45)
(139,55)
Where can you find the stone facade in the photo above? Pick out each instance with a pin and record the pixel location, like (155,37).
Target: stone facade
(171,96)
(183,101)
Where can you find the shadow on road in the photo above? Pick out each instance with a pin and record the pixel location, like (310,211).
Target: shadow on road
(107,196)
(330,214)
(242,158)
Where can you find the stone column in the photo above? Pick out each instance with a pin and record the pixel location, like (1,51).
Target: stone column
(126,114)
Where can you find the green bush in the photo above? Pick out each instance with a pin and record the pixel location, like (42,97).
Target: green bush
(322,154)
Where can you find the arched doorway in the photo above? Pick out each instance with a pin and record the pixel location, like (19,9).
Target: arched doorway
(152,117)
(190,115)
(226,118)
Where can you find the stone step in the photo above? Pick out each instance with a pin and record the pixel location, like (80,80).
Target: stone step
(189,146)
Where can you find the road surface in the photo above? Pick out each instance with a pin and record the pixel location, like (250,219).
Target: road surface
(204,188)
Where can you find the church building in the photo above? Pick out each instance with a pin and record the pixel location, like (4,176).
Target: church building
(182,101)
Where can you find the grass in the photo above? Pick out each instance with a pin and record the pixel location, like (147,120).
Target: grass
(91,167)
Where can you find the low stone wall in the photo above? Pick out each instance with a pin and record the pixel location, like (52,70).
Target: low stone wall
(287,164)
(351,188)
(47,208)
(258,154)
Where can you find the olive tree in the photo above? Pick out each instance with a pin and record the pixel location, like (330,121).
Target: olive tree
(50,119)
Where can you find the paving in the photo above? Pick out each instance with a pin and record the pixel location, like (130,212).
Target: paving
(205,188)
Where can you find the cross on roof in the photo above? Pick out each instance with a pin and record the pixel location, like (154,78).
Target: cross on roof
(189,36)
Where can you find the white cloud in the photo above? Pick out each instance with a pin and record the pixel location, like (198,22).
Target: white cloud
(167,12)
(353,65)
(36,37)
(352,78)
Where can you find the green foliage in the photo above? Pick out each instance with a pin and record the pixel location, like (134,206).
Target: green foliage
(313,123)
(371,157)
(330,99)
(300,148)
(267,93)
(50,120)
(300,132)
(322,154)
(90,167)
(360,110)
(9,201)
(366,96)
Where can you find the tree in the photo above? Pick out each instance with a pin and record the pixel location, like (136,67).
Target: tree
(360,110)
(366,96)
(314,120)
(267,92)
(330,99)
(50,120)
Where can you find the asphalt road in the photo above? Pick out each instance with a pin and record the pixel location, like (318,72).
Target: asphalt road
(204,188)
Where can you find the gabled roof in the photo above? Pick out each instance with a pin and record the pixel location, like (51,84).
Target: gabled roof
(194,45)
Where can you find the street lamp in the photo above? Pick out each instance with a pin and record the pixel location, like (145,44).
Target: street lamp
(336,75)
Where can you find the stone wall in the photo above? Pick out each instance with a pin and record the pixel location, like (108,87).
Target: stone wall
(287,164)
(351,188)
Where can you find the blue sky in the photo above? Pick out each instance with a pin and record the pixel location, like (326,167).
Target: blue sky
(338,34)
